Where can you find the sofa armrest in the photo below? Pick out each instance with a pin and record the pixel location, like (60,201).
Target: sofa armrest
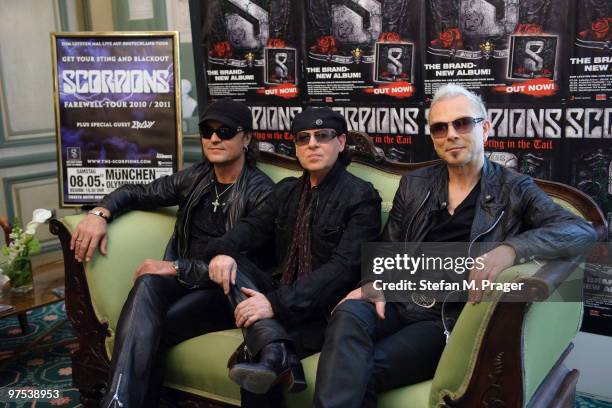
(90,362)
(96,291)
(485,358)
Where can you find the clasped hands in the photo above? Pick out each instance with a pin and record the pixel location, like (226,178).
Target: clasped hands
(222,270)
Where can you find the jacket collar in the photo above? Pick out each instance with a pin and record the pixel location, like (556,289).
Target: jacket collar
(330,178)
(239,183)
(489,186)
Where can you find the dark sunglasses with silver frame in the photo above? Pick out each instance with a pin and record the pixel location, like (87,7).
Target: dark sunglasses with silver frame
(302,138)
(223,132)
(463,125)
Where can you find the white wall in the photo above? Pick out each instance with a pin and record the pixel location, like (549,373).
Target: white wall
(592,356)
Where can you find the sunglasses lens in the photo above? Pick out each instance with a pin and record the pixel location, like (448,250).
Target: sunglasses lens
(463,125)
(206,131)
(223,133)
(302,138)
(438,130)
(324,136)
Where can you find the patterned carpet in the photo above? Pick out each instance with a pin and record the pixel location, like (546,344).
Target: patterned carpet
(49,364)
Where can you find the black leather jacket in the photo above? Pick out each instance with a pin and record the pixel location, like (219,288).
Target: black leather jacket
(511,210)
(346,213)
(184,189)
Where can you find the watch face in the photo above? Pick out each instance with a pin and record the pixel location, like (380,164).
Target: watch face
(99,214)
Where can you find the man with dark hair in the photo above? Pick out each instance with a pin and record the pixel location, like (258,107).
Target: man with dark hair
(370,346)
(318,223)
(165,307)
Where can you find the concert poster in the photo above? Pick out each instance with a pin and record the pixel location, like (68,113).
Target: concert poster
(252,50)
(117,111)
(590,77)
(505,50)
(364,51)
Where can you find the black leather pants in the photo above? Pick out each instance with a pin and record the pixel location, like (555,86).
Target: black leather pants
(364,355)
(159,313)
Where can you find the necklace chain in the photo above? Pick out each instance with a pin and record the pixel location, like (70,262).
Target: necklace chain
(216,203)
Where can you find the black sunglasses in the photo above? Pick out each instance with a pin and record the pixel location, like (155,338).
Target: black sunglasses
(223,132)
(322,136)
(462,125)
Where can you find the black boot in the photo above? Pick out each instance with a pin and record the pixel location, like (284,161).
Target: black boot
(277,365)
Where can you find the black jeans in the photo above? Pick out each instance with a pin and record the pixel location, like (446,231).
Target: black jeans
(160,312)
(364,355)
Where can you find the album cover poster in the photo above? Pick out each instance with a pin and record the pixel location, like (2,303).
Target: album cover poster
(588,151)
(591,61)
(597,316)
(252,50)
(362,51)
(523,137)
(272,127)
(507,50)
(117,111)
(393,129)
(588,154)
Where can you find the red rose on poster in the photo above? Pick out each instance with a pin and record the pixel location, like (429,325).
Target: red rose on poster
(325,45)
(528,29)
(276,43)
(600,28)
(449,38)
(389,37)
(221,49)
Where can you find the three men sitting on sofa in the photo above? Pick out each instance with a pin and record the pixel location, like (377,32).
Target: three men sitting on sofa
(312,226)
(465,199)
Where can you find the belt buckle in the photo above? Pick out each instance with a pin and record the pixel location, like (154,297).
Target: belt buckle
(423,300)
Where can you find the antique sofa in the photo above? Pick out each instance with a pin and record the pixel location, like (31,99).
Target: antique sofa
(500,354)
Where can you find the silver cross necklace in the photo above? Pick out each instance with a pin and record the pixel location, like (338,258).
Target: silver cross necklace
(216,203)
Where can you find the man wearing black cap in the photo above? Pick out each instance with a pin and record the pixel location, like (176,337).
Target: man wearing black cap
(211,197)
(318,223)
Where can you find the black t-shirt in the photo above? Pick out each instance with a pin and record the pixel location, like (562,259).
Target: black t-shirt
(456,227)
(206,223)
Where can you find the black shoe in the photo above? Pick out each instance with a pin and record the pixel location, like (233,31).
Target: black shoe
(277,365)
(241,355)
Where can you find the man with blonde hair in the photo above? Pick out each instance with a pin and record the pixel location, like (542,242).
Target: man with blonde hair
(372,346)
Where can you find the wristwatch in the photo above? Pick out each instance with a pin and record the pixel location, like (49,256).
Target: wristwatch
(99,213)
(175,265)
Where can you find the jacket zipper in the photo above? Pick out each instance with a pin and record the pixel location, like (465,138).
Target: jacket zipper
(116,394)
(447,332)
(188,214)
(414,216)
(485,232)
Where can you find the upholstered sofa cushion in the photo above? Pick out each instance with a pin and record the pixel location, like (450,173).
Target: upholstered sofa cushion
(205,374)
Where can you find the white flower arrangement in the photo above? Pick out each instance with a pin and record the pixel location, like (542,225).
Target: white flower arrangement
(23,244)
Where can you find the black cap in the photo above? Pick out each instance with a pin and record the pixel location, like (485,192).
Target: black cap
(230,113)
(319,118)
